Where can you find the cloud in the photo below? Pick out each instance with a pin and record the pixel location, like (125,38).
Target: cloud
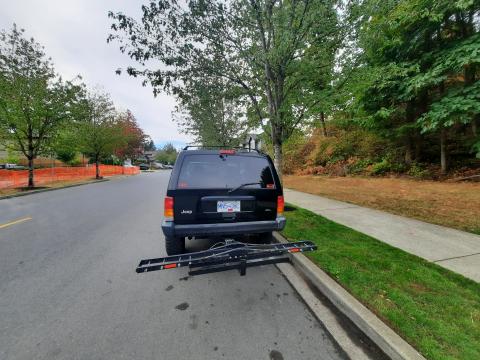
(74,35)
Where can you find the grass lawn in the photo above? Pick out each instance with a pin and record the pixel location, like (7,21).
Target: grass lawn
(434,309)
(455,205)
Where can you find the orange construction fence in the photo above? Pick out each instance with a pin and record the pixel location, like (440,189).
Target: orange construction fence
(19,178)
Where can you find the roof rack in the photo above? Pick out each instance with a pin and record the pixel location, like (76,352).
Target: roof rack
(222,147)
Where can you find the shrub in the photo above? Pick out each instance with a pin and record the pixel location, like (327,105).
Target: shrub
(66,155)
(382,167)
(390,163)
(359,166)
(12,157)
(419,171)
(325,150)
(476,149)
(294,151)
(344,143)
(75,162)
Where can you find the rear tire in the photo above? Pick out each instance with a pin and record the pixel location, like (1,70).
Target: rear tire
(174,245)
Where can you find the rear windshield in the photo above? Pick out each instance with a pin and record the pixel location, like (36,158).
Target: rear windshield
(215,171)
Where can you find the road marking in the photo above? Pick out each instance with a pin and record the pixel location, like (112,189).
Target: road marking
(15,222)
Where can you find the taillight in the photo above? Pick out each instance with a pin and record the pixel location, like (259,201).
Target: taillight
(168,208)
(227,152)
(280,205)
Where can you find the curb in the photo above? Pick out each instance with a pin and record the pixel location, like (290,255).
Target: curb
(376,330)
(50,189)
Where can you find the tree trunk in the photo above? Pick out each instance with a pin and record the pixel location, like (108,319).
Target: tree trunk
(278,157)
(30,156)
(470,71)
(418,146)
(408,151)
(408,155)
(322,123)
(31,184)
(97,168)
(443,152)
(410,117)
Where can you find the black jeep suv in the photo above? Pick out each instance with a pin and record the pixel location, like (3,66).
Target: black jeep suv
(221,193)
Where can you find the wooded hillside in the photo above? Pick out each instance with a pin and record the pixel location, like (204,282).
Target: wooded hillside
(411,101)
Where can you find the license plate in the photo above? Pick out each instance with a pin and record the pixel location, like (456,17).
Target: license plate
(228,206)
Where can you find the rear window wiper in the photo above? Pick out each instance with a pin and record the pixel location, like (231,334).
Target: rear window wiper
(242,185)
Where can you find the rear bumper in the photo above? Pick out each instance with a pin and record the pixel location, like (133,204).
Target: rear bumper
(251,227)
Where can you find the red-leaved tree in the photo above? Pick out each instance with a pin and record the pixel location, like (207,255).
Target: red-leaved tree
(134,137)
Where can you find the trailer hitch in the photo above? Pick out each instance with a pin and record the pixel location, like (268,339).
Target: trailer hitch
(229,255)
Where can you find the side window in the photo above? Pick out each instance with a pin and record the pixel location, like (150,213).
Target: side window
(266,176)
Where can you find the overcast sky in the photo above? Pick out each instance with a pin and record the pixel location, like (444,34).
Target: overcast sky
(74,34)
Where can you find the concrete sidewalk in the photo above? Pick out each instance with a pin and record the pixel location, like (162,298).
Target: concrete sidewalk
(453,249)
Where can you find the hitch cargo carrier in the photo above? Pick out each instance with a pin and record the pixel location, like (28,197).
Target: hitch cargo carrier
(229,255)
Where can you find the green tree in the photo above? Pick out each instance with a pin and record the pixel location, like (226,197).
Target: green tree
(148,144)
(99,132)
(254,44)
(422,57)
(65,147)
(34,101)
(167,154)
(212,111)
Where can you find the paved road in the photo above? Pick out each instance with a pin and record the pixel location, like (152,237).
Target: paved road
(68,289)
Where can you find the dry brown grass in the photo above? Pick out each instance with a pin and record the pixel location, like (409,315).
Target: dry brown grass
(55,184)
(455,205)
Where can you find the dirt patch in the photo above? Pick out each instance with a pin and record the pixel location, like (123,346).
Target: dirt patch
(26,188)
(450,204)
(419,288)
(55,184)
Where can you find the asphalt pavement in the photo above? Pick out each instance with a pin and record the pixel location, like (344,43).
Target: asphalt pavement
(68,287)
